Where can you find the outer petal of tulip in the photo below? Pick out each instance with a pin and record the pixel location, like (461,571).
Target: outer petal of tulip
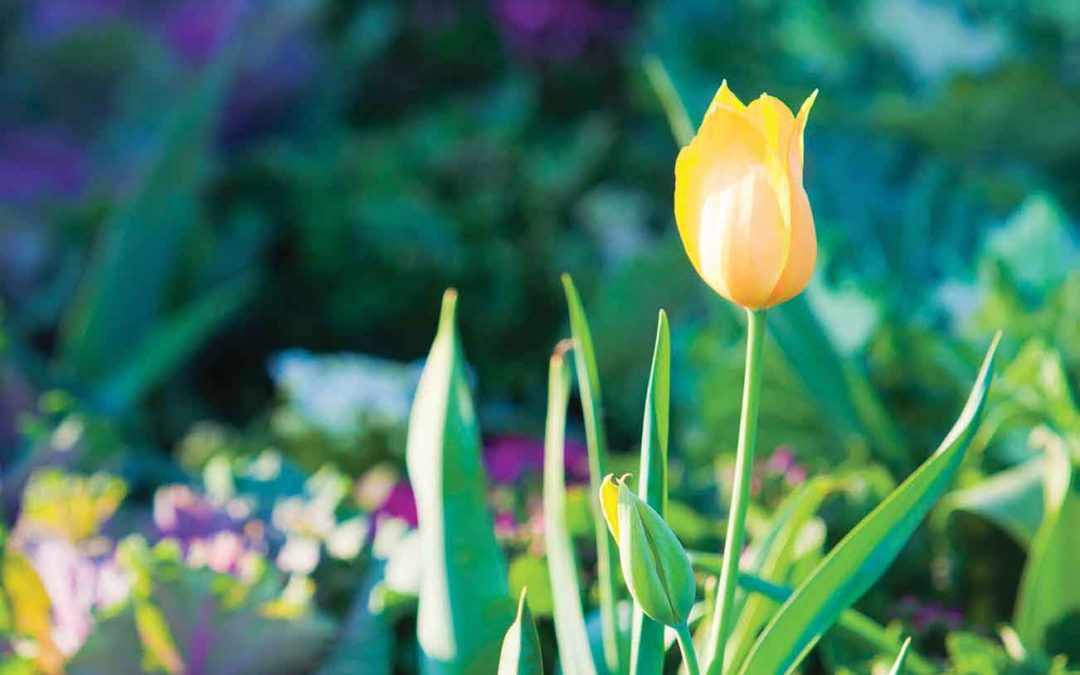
(744,240)
(803,251)
(725,145)
(609,505)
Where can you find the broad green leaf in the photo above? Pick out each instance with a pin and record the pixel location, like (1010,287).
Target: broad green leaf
(463,599)
(898,667)
(575,657)
(774,559)
(862,556)
(365,644)
(1049,595)
(135,257)
(588,378)
(1011,499)
(647,636)
(521,646)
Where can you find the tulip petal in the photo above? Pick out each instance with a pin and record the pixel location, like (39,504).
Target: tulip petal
(718,155)
(744,240)
(795,141)
(609,505)
(727,99)
(803,257)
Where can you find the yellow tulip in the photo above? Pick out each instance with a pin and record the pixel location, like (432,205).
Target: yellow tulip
(742,212)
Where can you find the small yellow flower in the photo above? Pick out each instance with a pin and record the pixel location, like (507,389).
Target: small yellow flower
(742,212)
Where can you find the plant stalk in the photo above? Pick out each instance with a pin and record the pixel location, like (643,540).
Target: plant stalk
(686,645)
(722,620)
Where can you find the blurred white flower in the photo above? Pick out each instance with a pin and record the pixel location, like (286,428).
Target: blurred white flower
(339,393)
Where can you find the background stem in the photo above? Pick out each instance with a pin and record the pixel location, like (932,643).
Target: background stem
(720,626)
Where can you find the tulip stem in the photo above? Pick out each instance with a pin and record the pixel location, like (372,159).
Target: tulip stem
(686,645)
(722,620)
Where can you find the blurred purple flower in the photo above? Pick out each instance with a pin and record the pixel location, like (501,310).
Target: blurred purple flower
(222,538)
(925,616)
(508,458)
(77,584)
(197,29)
(558,31)
(181,513)
(38,164)
(399,503)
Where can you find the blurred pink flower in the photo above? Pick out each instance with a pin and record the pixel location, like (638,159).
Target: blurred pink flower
(77,584)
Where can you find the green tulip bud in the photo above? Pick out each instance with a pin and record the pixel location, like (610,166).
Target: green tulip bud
(654,564)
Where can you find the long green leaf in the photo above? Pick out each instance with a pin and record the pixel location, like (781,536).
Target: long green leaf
(1048,590)
(898,667)
(521,646)
(463,599)
(861,557)
(575,657)
(135,256)
(854,625)
(647,636)
(588,378)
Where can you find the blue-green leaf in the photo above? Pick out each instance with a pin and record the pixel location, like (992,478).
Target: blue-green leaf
(135,257)
(463,599)
(861,557)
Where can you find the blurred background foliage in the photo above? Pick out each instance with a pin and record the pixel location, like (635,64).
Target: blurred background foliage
(225,226)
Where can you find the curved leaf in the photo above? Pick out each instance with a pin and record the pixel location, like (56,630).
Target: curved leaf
(1048,592)
(463,599)
(863,555)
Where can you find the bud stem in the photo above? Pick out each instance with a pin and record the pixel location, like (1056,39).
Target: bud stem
(686,645)
(722,620)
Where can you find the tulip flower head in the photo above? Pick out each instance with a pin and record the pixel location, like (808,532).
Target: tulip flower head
(743,215)
(654,564)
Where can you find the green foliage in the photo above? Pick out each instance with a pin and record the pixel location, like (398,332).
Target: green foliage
(862,556)
(463,600)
